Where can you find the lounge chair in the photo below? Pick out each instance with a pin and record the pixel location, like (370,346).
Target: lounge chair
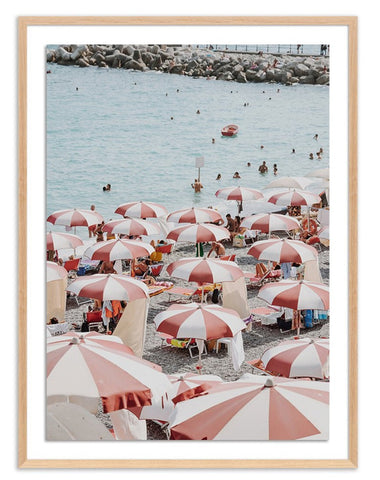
(228,258)
(72,265)
(258,367)
(189,343)
(164,248)
(187,293)
(93,319)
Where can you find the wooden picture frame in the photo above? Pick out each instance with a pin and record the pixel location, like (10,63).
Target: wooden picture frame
(350,23)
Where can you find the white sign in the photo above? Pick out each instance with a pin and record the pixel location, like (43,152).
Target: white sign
(200,162)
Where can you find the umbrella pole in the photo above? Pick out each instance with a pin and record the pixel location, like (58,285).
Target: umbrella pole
(202,293)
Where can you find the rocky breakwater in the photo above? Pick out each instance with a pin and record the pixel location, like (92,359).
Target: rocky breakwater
(197,62)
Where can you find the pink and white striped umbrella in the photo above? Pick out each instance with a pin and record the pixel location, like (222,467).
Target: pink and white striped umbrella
(119,249)
(239,193)
(84,369)
(283,250)
(255,408)
(132,226)
(54,272)
(204,322)
(141,210)
(58,240)
(269,222)
(194,215)
(204,270)
(300,357)
(298,295)
(198,233)
(295,198)
(75,217)
(109,287)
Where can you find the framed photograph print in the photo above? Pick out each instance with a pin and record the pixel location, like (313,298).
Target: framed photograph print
(177,277)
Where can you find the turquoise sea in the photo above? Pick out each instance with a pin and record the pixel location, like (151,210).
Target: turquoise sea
(114,126)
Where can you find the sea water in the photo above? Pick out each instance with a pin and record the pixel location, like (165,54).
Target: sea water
(141,133)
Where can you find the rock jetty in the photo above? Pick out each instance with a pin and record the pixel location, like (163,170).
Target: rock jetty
(198,62)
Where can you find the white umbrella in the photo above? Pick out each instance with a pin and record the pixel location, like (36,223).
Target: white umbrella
(194,215)
(198,233)
(132,226)
(269,222)
(290,182)
(119,249)
(141,210)
(75,217)
(59,240)
(283,251)
(295,198)
(54,272)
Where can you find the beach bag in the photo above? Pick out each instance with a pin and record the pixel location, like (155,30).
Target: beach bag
(308,319)
(215,296)
(84,327)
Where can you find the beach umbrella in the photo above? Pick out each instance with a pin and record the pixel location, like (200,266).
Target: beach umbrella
(75,217)
(54,272)
(204,270)
(141,210)
(201,322)
(84,370)
(269,222)
(67,421)
(324,233)
(295,198)
(183,387)
(296,294)
(290,182)
(320,173)
(254,207)
(198,233)
(283,251)
(255,407)
(109,287)
(239,194)
(299,357)
(132,226)
(119,249)
(58,240)
(194,215)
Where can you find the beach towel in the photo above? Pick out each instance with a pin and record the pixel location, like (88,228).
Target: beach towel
(237,351)
(235,297)
(312,272)
(127,426)
(132,325)
(56,299)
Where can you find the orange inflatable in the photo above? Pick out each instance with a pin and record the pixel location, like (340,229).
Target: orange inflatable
(312,229)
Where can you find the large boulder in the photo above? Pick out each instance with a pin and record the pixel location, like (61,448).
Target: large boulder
(286,76)
(270,74)
(82,63)
(241,78)
(225,76)
(78,52)
(62,55)
(301,70)
(323,79)
(133,65)
(307,79)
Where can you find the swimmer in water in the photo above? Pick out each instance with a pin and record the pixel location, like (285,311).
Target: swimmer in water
(218,177)
(263,168)
(236,175)
(275,169)
(311,156)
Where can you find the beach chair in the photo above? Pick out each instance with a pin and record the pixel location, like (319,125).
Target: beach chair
(186,293)
(93,319)
(228,258)
(267,315)
(258,367)
(182,343)
(164,248)
(72,265)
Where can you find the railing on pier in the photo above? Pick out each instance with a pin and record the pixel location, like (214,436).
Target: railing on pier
(308,49)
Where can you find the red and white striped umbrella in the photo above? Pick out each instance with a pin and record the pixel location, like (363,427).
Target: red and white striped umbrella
(75,217)
(300,357)
(239,193)
(204,322)
(290,182)
(283,250)
(204,270)
(119,249)
(198,233)
(141,210)
(194,215)
(109,287)
(54,272)
(295,198)
(269,222)
(183,387)
(132,226)
(85,368)
(298,295)
(255,408)
(58,240)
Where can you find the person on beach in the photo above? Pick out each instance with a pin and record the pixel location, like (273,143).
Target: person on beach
(263,168)
(236,175)
(107,268)
(218,248)
(92,228)
(197,186)
(230,223)
(141,268)
(218,177)
(275,169)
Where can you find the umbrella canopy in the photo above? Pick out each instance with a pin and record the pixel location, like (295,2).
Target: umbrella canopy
(57,241)
(255,408)
(290,182)
(260,206)
(298,295)
(194,215)
(75,217)
(54,272)
(109,287)
(283,250)
(295,198)
(199,321)
(239,193)
(300,357)
(132,226)
(82,369)
(198,233)
(320,173)
(119,249)
(204,270)
(269,222)
(141,210)
(324,232)
(67,421)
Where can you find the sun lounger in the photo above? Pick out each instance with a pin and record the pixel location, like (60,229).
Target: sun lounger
(182,292)
(189,343)
(258,367)
(267,315)
(159,287)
